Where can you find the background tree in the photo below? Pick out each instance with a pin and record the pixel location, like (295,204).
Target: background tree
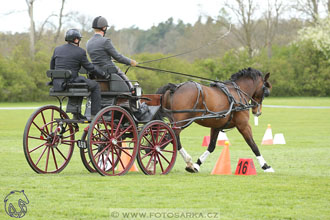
(30,4)
(244,11)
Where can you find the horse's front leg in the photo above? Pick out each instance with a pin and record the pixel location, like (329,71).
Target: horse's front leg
(213,141)
(246,131)
(186,157)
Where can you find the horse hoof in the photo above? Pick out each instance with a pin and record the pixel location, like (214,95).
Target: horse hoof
(191,168)
(269,170)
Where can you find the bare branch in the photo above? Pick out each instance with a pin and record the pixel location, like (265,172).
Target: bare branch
(60,22)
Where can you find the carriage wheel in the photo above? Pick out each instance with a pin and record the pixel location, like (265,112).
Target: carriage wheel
(86,159)
(112,141)
(47,144)
(157,148)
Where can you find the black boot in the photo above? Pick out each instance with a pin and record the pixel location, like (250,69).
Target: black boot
(78,116)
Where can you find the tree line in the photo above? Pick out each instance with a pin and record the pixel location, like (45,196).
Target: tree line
(294,50)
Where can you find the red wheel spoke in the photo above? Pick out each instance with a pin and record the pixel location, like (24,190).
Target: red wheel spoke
(101,152)
(52,119)
(112,119)
(42,131)
(119,123)
(99,132)
(148,164)
(145,147)
(168,151)
(165,143)
(160,163)
(113,160)
(144,156)
(152,136)
(164,158)
(123,132)
(37,147)
(162,138)
(36,138)
(152,144)
(107,158)
(45,124)
(105,126)
(158,128)
(58,150)
(54,158)
(47,159)
(155,162)
(41,155)
(126,153)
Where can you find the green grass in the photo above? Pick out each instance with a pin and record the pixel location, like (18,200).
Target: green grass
(299,189)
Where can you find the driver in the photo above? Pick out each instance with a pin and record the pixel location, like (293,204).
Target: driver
(71,57)
(101,50)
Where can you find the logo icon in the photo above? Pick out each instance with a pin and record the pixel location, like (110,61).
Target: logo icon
(15,204)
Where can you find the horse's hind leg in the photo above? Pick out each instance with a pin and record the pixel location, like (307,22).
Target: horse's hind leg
(246,132)
(213,140)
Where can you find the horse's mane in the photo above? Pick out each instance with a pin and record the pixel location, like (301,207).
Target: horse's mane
(170,86)
(249,72)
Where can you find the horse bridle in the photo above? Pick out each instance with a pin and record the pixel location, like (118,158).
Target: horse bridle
(265,93)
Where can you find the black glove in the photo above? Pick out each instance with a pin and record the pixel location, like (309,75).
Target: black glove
(106,76)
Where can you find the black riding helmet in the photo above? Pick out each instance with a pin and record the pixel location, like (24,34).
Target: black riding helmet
(100,22)
(72,34)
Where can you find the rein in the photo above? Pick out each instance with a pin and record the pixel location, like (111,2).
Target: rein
(176,73)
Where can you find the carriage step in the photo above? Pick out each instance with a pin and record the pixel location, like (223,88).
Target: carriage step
(82,144)
(70,121)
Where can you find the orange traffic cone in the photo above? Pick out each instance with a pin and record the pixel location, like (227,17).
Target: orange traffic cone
(222,166)
(222,138)
(268,137)
(206,141)
(125,159)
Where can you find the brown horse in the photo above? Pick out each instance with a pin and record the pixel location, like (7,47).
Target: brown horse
(220,106)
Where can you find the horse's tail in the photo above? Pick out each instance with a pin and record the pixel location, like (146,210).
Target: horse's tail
(166,91)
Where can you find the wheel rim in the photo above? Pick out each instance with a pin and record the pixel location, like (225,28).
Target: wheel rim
(157,148)
(112,141)
(47,146)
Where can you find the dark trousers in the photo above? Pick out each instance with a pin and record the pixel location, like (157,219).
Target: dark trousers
(74,103)
(125,78)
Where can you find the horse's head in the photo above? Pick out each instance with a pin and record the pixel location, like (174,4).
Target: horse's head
(262,90)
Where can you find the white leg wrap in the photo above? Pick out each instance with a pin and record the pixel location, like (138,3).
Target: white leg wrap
(261,160)
(186,157)
(203,157)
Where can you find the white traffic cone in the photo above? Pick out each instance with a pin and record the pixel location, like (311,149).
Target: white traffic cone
(279,139)
(268,136)
(222,138)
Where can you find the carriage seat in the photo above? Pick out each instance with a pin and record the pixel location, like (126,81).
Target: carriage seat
(60,80)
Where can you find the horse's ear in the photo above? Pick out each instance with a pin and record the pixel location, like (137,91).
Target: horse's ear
(266,77)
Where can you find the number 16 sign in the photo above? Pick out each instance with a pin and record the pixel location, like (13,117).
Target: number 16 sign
(245,166)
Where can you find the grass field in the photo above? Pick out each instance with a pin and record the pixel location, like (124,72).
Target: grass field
(299,188)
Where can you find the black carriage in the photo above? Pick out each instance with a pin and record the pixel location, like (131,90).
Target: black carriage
(120,133)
